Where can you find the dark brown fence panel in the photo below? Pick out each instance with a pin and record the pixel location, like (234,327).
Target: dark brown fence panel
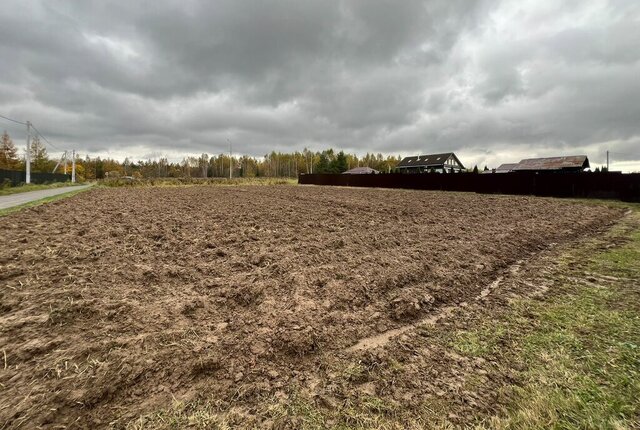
(589,185)
(16,177)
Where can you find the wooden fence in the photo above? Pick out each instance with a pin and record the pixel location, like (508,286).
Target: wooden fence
(553,184)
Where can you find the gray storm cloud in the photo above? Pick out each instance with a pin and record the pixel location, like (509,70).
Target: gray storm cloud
(493,81)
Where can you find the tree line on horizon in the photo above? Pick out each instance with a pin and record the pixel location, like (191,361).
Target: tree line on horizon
(274,164)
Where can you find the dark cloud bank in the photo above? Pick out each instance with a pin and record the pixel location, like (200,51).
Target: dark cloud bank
(493,81)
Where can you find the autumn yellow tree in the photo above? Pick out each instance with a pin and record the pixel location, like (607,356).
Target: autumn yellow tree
(8,153)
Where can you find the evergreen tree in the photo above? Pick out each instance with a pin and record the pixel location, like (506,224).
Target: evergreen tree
(323,165)
(99,168)
(475,169)
(339,164)
(39,156)
(8,153)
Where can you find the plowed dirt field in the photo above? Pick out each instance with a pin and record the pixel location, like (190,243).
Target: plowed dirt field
(116,303)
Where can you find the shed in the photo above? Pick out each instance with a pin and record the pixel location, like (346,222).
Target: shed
(361,171)
(571,163)
(506,168)
(444,162)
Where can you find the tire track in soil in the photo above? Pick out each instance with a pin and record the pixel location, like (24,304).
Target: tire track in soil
(472,387)
(382,339)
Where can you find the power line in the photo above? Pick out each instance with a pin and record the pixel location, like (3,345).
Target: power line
(28,163)
(13,120)
(35,129)
(45,139)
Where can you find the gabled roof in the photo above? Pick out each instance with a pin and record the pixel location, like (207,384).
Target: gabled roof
(506,167)
(554,163)
(360,171)
(431,160)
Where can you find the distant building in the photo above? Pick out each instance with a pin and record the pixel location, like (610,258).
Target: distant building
(361,171)
(572,163)
(430,163)
(505,168)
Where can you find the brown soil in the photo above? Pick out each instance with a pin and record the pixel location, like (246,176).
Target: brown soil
(117,301)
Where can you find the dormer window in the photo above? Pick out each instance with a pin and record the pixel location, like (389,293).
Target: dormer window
(431,162)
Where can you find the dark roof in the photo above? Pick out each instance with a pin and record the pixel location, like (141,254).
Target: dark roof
(554,163)
(360,171)
(430,160)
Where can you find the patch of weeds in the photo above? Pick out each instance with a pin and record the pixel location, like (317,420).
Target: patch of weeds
(478,342)
(193,415)
(622,261)
(354,372)
(296,412)
(366,413)
(25,188)
(395,365)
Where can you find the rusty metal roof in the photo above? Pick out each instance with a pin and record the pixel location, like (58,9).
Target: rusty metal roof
(431,160)
(506,167)
(572,162)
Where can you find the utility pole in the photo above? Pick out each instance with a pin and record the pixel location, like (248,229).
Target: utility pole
(73,166)
(28,156)
(62,159)
(607,161)
(230,160)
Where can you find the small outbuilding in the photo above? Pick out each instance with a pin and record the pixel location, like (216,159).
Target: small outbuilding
(571,163)
(361,171)
(441,163)
(505,168)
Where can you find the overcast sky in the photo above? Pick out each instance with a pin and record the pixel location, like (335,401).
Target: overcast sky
(494,81)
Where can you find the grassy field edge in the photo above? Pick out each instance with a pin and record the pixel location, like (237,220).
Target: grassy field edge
(7,211)
(34,187)
(181,182)
(578,348)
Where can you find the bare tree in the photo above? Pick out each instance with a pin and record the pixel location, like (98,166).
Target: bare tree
(204,164)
